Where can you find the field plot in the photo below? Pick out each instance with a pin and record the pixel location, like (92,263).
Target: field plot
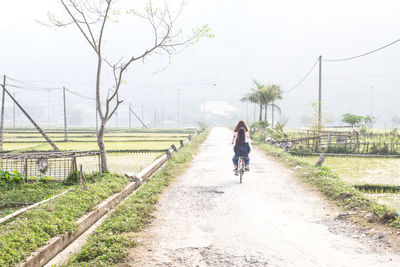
(30,140)
(129,150)
(360,170)
(367,171)
(390,200)
(121,162)
(125,145)
(16,196)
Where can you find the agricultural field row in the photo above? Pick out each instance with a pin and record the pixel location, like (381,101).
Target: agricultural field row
(381,172)
(114,145)
(15,196)
(120,162)
(362,170)
(109,139)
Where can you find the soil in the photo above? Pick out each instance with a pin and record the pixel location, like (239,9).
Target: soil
(207,218)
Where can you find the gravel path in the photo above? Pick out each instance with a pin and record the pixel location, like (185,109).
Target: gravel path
(206,218)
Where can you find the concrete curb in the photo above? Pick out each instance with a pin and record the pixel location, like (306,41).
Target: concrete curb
(56,244)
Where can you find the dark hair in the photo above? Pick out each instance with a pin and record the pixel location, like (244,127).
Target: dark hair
(241,137)
(241,124)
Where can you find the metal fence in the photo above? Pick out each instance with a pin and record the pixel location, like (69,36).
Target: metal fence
(58,165)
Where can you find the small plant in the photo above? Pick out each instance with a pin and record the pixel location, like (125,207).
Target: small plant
(72,179)
(13,177)
(260,125)
(341,149)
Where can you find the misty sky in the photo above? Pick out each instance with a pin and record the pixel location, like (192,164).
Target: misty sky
(271,41)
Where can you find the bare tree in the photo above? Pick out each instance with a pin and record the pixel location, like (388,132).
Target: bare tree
(90,18)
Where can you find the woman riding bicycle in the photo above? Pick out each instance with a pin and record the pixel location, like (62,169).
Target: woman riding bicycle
(235,131)
(242,149)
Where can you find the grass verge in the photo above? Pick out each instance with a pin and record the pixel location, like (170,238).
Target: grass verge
(32,229)
(110,243)
(331,185)
(15,196)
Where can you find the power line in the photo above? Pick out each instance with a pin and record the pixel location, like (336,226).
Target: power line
(80,95)
(28,85)
(304,78)
(32,88)
(364,54)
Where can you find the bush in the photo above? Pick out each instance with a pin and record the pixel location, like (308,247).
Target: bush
(340,149)
(259,124)
(13,177)
(72,179)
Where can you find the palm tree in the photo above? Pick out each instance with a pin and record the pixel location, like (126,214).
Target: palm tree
(255,96)
(264,96)
(278,96)
(269,94)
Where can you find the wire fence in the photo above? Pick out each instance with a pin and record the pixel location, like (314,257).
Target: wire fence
(59,165)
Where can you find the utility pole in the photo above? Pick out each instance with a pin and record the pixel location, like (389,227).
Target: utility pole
(370,101)
(137,117)
(48,108)
(142,113)
(130,115)
(319,93)
(65,117)
(155,118)
(162,114)
(204,111)
(2,112)
(14,112)
(177,108)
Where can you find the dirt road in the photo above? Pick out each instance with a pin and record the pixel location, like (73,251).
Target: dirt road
(206,218)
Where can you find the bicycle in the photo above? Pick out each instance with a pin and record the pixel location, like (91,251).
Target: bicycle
(241,166)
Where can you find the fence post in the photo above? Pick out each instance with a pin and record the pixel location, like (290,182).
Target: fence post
(26,169)
(74,166)
(174,148)
(2,113)
(181,143)
(99,159)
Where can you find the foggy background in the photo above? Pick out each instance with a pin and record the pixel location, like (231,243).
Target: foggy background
(270,41)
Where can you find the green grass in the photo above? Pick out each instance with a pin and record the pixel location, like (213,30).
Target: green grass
(110,242)
(120,162)
(360,170)
(330,184)
(32,229)
(124,145)
(22,140)
(14,196)
(387,199)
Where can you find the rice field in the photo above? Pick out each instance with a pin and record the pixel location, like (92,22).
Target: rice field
(124,140)
(390,200)
(29,140)
(120,162)
(366,170)
(360,170)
